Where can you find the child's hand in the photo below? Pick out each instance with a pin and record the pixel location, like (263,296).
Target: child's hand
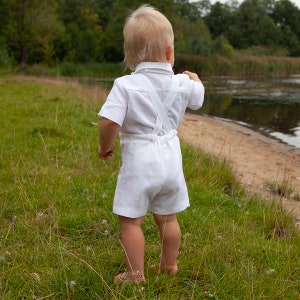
(105,155)
(192,76)
(108,130)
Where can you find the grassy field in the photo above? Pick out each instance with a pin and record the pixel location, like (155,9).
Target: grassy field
(59,239)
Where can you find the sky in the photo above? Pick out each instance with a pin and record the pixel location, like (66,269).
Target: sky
(297,2)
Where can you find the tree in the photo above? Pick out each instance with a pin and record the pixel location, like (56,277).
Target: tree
(82,41)
(31,27)
(113,33)
(203,7)
(287,14)
(268,33)
(219,19)
(287,17)
(253,26)
(192,37)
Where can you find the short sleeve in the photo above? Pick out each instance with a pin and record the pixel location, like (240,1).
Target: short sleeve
(196,95)
(115,106)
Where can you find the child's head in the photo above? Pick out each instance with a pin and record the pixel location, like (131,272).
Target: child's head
(147,36)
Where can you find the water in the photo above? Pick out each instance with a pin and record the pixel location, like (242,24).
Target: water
(270,106)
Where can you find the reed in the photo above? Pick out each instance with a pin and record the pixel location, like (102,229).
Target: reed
(238,65)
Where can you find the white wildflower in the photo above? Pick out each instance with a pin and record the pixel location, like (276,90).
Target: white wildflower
(40,214)
(186,235)
(36,276)
(106,232)
(104,222)
(209,294)
(72,284)
(269,271)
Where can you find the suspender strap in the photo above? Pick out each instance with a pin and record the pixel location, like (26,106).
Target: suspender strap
(162,108)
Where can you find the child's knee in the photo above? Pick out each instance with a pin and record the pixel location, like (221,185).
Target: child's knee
(125,221)
(163,219)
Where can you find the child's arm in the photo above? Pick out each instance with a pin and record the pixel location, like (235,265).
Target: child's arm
(192,76)
(108,131)
(197,91)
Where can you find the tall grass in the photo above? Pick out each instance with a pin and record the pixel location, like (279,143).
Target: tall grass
(238,65)
(59,239)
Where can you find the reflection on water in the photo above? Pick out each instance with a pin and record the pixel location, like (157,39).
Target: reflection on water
(268,105)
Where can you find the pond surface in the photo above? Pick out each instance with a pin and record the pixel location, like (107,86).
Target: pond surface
(270,106)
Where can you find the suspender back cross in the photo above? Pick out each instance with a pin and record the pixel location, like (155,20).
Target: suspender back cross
(162,108)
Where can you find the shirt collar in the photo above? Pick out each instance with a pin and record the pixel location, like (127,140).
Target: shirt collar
(154,67)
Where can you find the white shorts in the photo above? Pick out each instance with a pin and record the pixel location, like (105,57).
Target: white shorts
(151,177)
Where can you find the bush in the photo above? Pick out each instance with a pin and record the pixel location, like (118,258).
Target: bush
(5,59)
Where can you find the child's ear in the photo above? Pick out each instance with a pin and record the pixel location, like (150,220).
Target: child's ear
(169,52)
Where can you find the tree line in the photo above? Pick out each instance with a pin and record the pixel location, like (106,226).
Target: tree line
(54,31)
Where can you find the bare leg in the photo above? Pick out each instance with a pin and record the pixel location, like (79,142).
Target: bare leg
(170,238)
(133,243)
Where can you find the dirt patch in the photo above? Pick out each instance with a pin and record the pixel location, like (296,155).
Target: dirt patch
(257,160)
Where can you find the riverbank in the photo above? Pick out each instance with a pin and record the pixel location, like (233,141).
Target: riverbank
(259,162)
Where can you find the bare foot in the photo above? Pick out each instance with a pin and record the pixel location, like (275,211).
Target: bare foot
(127,277)
(171,270)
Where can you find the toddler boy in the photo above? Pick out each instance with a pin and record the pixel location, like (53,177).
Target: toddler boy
(146,108)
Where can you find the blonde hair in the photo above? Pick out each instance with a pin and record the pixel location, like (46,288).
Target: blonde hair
(147,34)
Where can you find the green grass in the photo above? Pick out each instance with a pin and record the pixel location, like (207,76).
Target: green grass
(70,69)
(59,239)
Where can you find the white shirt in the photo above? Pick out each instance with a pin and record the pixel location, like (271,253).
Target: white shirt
(128,103)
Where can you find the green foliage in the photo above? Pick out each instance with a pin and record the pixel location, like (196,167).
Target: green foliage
(30,28)
(59,239)
(82,31)
(256,23)
(222,47)
(83,38)
(5,59)
(264,51)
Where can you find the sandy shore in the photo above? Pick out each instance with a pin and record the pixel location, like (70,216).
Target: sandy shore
(256,159)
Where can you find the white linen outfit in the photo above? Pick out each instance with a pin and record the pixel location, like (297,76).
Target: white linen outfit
(149,105)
